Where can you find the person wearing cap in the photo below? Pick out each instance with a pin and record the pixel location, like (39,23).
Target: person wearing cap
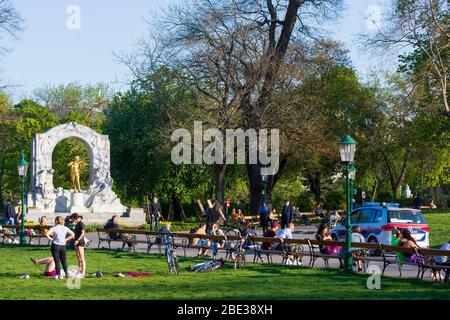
(80,242)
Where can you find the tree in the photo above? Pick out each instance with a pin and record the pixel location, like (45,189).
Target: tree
(420,26)
(235,53)
(139,124)
(74,97)
(17,126)
(11,23)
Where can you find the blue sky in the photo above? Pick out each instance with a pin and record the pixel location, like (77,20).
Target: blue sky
(48,52)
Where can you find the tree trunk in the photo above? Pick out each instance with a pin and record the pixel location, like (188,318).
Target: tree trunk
(375,190)
(315,184)
(272,181)
(178,210)
(256,187)
(220,183)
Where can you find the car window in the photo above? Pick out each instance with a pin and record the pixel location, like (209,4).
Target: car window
(415,217)
(354,218)
(378,216)
(366,216)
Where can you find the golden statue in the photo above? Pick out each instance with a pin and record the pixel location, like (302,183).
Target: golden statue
(75,167)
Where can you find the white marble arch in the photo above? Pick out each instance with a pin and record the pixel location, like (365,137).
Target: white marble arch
(99,196)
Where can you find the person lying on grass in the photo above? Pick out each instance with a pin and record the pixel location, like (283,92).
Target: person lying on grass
(50,268)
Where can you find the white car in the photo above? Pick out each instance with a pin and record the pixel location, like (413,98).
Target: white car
(377,220)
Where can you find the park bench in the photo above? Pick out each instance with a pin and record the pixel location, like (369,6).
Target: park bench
(390,255)
(430,263)
(30,237)
(186,242)
(259,252)
(9,235)
(294,250)
(315,253)
(104,236)
(253,219)
(387,257)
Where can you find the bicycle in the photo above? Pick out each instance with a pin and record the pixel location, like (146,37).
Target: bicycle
(238,256)
(171,255)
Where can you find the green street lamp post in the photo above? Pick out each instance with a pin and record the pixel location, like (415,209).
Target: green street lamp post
(22,168)
(347,148)
(265,178)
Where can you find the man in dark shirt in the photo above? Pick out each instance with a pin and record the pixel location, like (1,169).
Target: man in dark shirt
(155,213)
(286,215)
(10,213)
(113,223)
(264,216)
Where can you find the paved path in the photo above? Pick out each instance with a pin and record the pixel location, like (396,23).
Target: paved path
(302,232)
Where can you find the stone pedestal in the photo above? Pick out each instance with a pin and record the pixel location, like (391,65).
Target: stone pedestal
(77,203)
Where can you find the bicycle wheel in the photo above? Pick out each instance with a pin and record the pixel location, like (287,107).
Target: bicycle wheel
(239,262)
(172,263)
(232,233)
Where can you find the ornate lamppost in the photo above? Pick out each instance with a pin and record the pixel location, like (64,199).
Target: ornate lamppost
(347,148)
(22,168)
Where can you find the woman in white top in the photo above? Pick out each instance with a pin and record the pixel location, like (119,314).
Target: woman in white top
(357,252)
(59,235)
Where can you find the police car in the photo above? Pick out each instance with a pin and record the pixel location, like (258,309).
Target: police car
(378,220)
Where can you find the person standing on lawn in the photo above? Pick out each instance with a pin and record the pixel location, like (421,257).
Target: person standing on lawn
(10,213)
(264,216)
(58,237)
(215,214)
(155,213)
(80,242)
(286,215)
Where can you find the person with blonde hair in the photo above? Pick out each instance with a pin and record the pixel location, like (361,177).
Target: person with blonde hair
(59,235)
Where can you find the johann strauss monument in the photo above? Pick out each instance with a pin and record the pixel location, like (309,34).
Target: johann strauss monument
(98,202)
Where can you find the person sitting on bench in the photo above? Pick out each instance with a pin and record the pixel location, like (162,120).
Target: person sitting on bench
(164,239)
(113,223)
(357,252)
(444,261)
(270,233)
(202,252)
(285,234)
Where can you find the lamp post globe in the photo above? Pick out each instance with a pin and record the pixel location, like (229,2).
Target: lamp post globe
(265,178)
(347,149)
(22,168)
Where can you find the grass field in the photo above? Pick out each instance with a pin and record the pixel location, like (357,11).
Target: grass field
(439,224)
(255,282)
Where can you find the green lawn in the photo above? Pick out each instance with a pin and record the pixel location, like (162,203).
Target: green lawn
(255,282)
(439,228)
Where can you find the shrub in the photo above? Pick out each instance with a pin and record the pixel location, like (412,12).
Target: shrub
(334,200)
(306,202)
